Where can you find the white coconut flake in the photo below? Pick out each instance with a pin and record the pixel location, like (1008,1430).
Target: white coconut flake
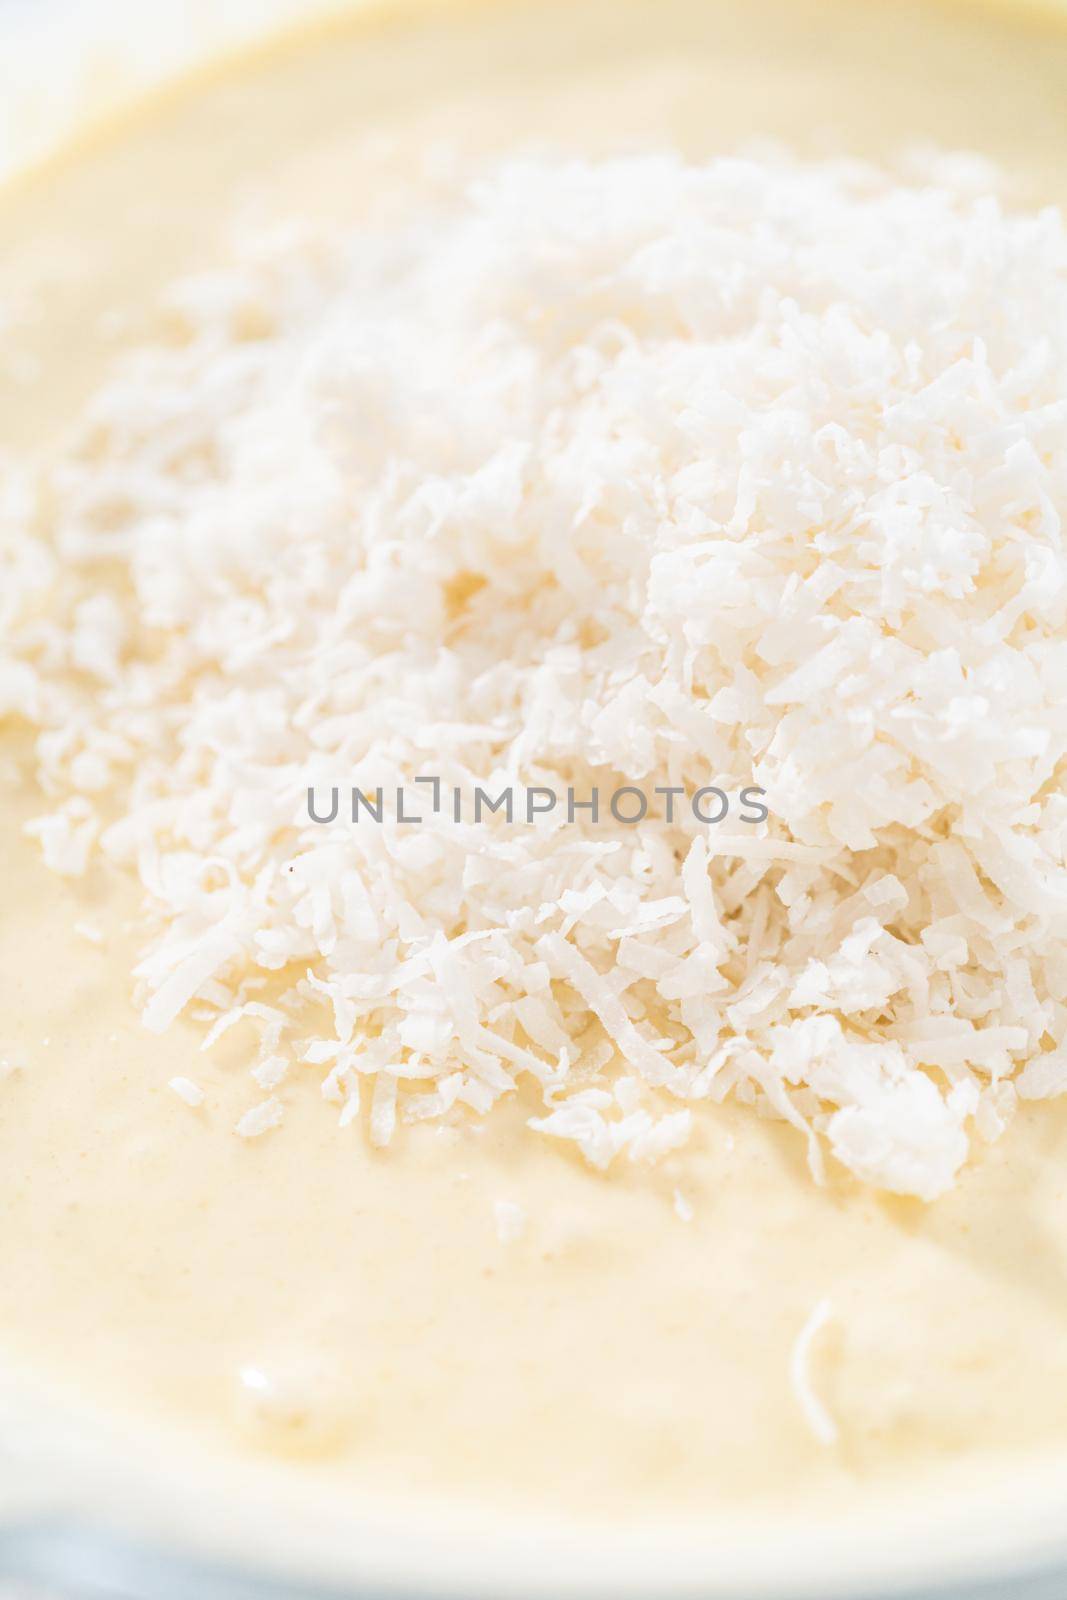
(66,836)
(261,1118)
(383,1109)
(187,1090)
(510,1220)
(350,1109)
(270,1072)
(1043,1077)
(750,473)
(815,1413)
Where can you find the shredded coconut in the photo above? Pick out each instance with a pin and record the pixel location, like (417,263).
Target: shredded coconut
(622,472)
(188,1091)
(816,1415)
(261,1118)
(510,1220)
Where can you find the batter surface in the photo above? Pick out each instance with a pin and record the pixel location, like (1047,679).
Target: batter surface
(354,1315)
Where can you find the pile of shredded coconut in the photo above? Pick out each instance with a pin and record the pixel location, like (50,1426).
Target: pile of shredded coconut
(625,472)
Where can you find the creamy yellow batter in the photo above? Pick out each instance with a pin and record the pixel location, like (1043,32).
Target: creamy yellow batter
(352,1315)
